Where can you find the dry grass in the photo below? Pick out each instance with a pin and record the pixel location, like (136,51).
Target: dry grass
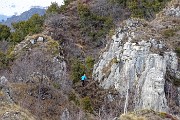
(53,47)
(80,46)
(146,115)
(5,107)
(131,117)
(18,86)
(48,108)
(1,93)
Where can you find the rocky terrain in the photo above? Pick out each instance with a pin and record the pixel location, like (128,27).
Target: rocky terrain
(140,61)
(135,73)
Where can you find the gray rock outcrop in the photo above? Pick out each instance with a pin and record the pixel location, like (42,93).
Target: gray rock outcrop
(136,67)
(174,9)
(3,80)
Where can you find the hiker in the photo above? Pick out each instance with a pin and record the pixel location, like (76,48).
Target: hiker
(83,78)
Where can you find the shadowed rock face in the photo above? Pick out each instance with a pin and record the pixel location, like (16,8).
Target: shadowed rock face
(137,67)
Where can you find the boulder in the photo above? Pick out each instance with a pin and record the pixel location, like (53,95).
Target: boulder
(40,39)
(3,80)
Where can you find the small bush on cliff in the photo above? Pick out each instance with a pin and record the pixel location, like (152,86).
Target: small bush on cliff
(89,61)
(53,47)
(3,60)
(73,97)
(86,104)
(176,82)
(6,57)
(164,115)
(177,50)
(168,33)
(56,85)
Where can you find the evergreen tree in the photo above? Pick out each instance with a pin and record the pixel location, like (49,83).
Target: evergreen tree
(53,8)
(4,32)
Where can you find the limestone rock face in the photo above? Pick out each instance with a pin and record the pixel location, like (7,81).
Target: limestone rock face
(65,115)
(3,80)
(152,93)
(174,9)
(174,12)
(136,67)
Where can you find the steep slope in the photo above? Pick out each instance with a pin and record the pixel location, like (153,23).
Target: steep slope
(140,61)
(83,36)
(138,69)
(37,80)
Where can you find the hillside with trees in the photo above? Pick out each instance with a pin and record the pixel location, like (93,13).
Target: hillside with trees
(43,58)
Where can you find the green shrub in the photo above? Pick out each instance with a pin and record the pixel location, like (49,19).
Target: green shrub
(5,59)
(166,115)
(53,8)
(72,97)
(121,2)
(66,3)
(17,36)
(32,26)
(53,47)
(93,25)
(115,60)
(162,114)
(77,70)
(83,11)
(177,50)
(4,32)
(168,33)
(56,85)
(86,104)
(176,82)
(142,8)
(111,32)
(89,61)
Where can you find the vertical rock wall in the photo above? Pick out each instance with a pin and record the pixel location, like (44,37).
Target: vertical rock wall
(136,66)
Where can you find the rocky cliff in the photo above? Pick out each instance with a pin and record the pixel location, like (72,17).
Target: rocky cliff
(138,70)
(138,60)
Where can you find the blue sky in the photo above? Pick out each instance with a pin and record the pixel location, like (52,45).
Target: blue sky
(11,7)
